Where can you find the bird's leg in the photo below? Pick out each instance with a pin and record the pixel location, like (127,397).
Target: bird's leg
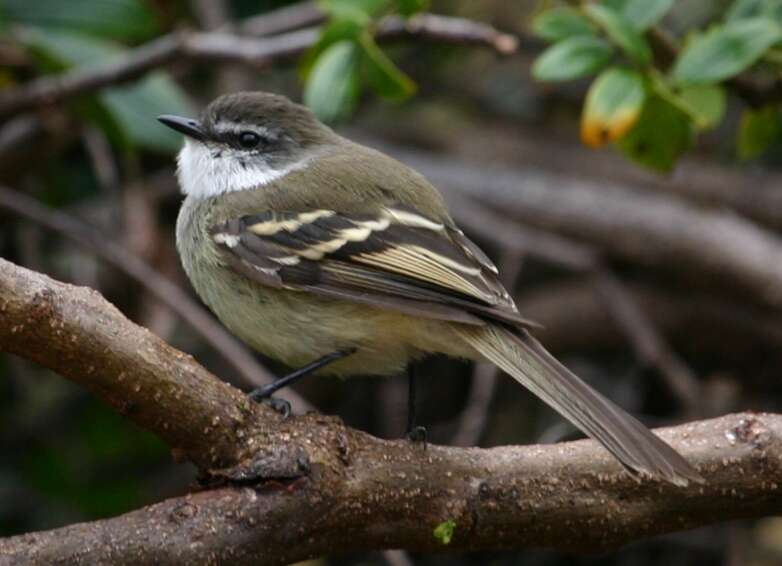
(281,405)
(414,432)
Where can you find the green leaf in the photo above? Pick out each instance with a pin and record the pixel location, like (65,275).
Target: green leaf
(662,134)
(746,9)
(572,58)
(381,73)
(409,8)
(561,23)
(704,104)
(621,32)
(333,86)
(136,105)
(613,106)
(642,14)
(757,130)
(725,51)
(359,11)
(127,113)
(115,19)
(334,32)
(444,531)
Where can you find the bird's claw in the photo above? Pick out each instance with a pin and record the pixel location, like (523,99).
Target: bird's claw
(280,405)
(417,434)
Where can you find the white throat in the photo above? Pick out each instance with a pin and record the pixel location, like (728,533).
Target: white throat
(204,173)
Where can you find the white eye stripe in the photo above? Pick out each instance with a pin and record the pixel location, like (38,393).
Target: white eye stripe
(237,128)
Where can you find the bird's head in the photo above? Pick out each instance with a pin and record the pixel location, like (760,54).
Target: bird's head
(244,141)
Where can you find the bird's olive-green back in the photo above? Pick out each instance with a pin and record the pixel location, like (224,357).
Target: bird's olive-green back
(345,177)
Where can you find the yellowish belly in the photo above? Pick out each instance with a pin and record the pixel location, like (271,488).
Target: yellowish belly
(297,328)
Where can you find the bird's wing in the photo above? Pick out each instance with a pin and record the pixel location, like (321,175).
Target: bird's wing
(395,258)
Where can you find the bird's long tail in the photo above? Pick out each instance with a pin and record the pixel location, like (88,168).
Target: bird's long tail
(520,355)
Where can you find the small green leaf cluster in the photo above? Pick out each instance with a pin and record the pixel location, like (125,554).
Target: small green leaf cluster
(83,33)
(444,531)
(650,111)
(346,58)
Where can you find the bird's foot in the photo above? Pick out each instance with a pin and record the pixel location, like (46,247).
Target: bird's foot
(262,395)
(417,434)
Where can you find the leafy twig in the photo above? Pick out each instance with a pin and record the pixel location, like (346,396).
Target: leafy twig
(222,46)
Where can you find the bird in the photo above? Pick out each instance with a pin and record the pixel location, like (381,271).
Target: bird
(336,259)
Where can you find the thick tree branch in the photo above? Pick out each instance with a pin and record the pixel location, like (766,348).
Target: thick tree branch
(223,46)
(77,333)
(339,490)
(382,494)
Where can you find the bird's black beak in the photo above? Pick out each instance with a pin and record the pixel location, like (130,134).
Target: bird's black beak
(188,126)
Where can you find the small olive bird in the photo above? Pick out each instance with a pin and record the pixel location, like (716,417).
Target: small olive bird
(335,258)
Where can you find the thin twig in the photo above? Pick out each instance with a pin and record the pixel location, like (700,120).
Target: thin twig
(647,342)
(211,14)
(18,132)
(215,15)
(287,18)
(473,419)
(223,46)
(106,171)
(166,291)
(51,89)
(447,29)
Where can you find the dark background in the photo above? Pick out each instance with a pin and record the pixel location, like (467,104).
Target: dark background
(64,457)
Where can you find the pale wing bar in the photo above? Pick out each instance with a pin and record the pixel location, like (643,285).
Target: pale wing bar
(395,257)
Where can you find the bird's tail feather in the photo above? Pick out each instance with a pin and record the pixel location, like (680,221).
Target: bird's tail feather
(525,359)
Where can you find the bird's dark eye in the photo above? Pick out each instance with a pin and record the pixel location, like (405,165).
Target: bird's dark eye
(249,140)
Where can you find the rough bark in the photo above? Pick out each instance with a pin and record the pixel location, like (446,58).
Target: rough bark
(376,494)
(77,333)
(315,487)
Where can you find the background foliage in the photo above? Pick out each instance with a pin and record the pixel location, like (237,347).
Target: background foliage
(690,89)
